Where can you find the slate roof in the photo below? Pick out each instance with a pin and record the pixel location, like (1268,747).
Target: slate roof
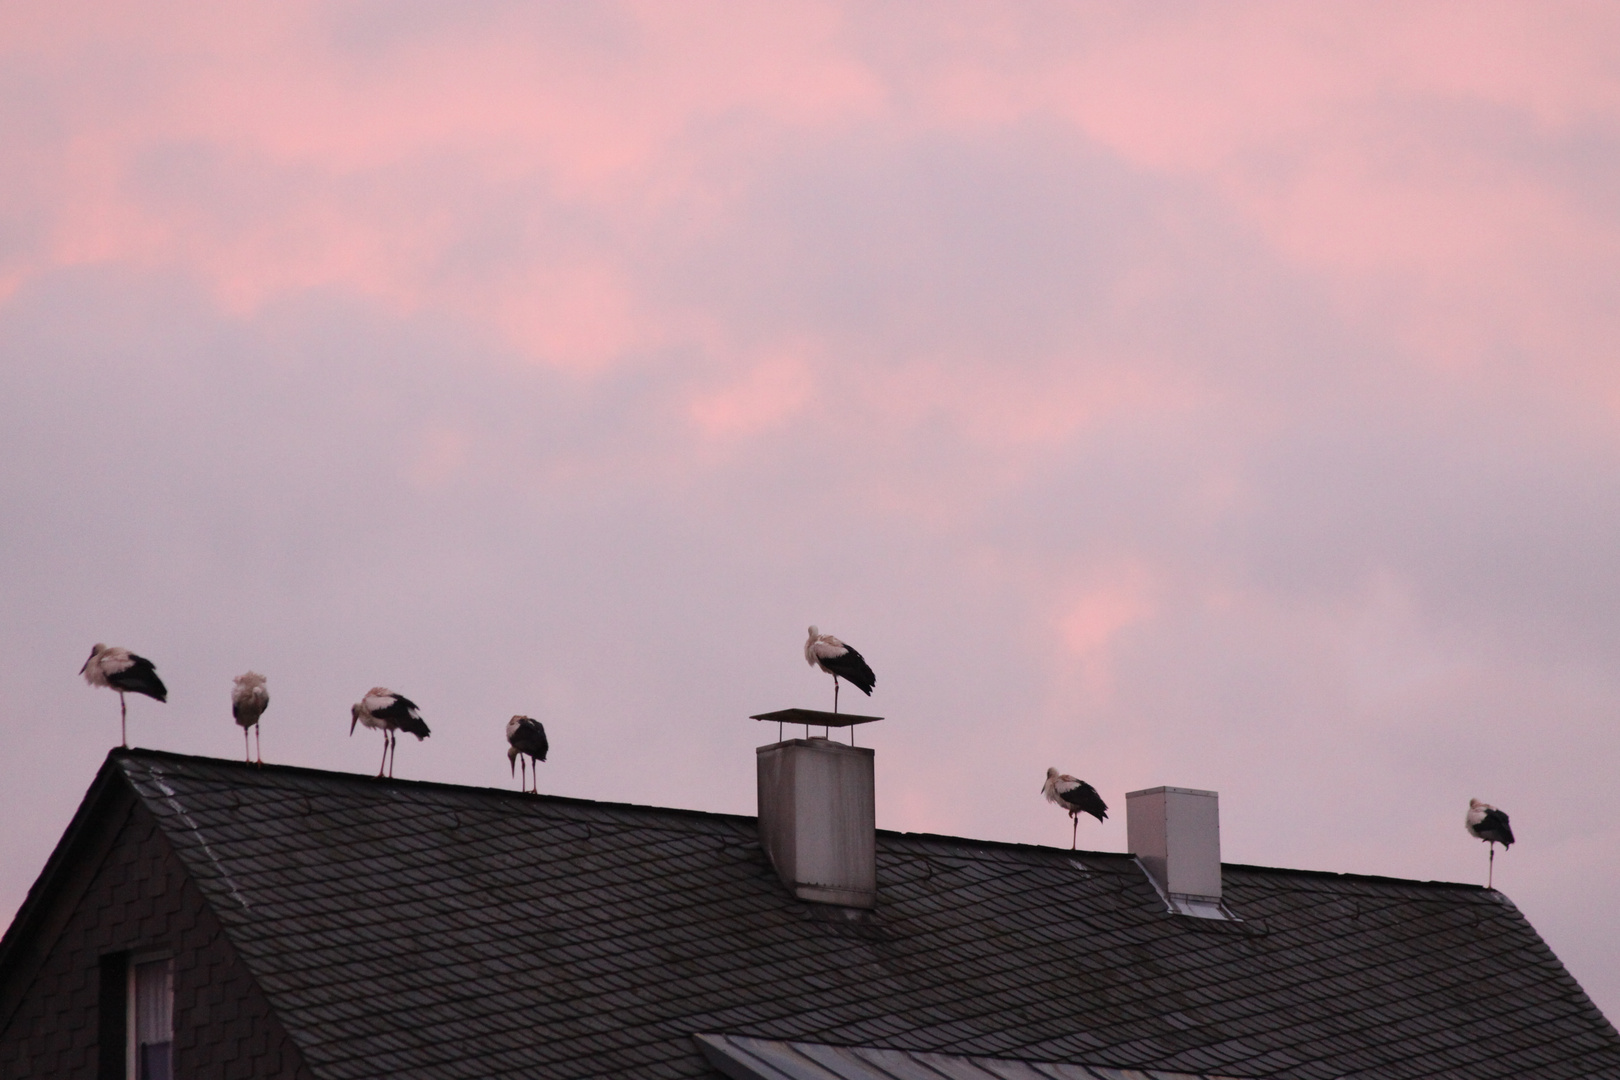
(421,930)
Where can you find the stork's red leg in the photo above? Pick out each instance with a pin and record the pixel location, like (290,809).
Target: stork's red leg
(123,720)
(247,750)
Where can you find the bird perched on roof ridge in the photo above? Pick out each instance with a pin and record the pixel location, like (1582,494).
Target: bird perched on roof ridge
(1491,825)
(121,670)
(839,660)
(249,698)
(526,737)
(382,709)
(1075,796)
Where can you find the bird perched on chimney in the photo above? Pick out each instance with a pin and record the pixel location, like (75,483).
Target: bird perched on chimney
(1491,825)
(1075,796)
(526,737)
(249,699)
(382,709)
(121,670)
(839,661)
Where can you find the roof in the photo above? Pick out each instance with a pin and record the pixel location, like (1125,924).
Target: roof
(423,930)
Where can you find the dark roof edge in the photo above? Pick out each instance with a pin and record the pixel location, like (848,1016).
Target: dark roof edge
(104,792)
(431,785)
(566,800)
(1380,879)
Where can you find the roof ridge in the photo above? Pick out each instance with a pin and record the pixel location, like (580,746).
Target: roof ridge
(137,753)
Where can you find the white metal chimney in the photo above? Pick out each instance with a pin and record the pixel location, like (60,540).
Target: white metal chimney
(1176,834)
(817,814)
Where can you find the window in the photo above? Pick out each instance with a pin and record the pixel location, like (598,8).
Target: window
(151,1020)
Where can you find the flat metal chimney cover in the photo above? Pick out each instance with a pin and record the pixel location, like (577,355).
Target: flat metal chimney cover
(815,718)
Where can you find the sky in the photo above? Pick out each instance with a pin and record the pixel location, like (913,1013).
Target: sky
(1217,395)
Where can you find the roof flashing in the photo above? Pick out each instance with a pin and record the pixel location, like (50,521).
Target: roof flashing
(745,1058)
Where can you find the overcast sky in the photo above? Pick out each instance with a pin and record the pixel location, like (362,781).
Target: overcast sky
(1215,395)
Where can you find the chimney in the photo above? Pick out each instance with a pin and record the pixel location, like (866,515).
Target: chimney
(1176,834)
(817,817)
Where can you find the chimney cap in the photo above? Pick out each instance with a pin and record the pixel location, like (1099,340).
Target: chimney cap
(1173,790)
(815,718)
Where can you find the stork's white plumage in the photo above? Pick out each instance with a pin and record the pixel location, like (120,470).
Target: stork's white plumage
(1491,825)
(383,710)
(1075,796)
(839,660)
(526,737)
(121,670)
(249,698)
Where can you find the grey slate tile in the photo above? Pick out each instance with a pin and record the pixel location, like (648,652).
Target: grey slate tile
(442,931)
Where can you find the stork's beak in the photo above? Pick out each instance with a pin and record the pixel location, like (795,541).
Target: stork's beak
(353,720)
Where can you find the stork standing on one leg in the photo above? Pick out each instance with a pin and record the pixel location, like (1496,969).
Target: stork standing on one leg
(121,670)
(526,737)
(249,699)
(382,709)
(1490,824)
(839,661)
(1075,796)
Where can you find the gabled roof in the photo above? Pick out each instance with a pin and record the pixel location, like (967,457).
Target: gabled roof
(407,929)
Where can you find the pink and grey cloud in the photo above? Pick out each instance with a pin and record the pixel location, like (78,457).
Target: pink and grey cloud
(1219,395)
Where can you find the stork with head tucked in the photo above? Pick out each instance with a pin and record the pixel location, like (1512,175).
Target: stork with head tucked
(840,661)
(121,670)
(382,709)
(1491,825)
(526,737)
(1075,796)
(249,699)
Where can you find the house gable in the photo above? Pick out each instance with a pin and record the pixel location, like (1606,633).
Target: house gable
(115,889)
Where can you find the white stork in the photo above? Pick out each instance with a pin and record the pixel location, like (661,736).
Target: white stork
(1489,824)
(249,699)
(526,737)
(839,661)
(121,670)
(382,709)
(1075,796)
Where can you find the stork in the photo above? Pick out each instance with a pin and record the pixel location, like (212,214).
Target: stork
(249,699)
(121,670)
(1489,824)
(526,736)
(1075,796)
(839,661)
(383,709)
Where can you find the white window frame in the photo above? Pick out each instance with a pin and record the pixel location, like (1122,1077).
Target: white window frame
(132,1049)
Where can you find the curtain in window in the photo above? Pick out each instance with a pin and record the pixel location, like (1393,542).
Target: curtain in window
(154,1020)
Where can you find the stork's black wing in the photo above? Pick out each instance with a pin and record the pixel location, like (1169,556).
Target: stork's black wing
(1084,798)
(139,678)
(1495,826)
(403,714)
(852,668)
(530,738)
